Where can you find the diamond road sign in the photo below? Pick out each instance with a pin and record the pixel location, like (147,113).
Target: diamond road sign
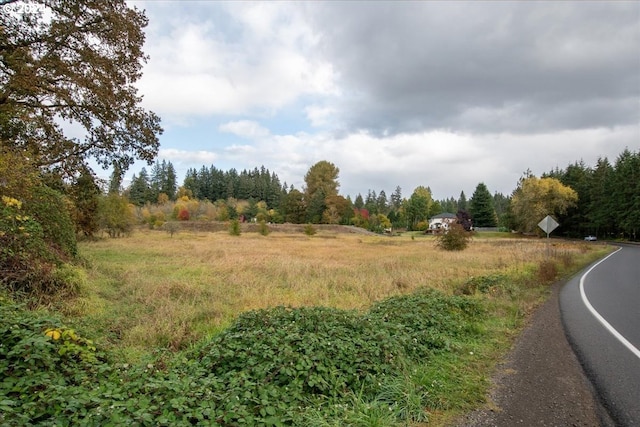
(548,224)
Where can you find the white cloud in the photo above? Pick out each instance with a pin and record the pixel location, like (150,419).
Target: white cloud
(197,158)
(245,128)
(250,58)
(395,97)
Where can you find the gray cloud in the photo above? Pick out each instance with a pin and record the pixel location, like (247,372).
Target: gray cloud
(483,66)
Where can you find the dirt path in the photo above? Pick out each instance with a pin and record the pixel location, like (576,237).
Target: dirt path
(541,383)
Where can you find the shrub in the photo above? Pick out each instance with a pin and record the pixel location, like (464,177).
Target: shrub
(183,214)
(263,228)
(52,211)
(309,230)
(234,227)
(48,370)
(428,321)
(271,362)
(21,244)
(454,239)
(171,227)
(29,264)
(489,284)
(547,271)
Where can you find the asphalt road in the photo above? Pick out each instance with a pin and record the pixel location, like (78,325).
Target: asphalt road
(601,314)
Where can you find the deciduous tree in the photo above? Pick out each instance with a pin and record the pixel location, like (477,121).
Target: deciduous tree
(78,62)
(536,198)
(418,205)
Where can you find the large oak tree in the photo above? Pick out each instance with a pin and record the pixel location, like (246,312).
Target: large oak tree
(68,64)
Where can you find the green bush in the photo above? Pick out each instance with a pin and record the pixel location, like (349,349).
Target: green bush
(48,370)
(52,211)
(454,239)
(234,227)
(31,262)
(263,228)
(309,230)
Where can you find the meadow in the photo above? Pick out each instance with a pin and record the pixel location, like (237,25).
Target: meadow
(155,290)
(333,329)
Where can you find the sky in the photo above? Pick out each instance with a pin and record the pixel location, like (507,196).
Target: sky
(393,93)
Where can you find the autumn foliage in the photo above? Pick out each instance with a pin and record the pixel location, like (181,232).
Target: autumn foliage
(183,214)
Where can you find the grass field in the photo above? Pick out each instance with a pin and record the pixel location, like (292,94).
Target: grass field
(379,330)
(153,290)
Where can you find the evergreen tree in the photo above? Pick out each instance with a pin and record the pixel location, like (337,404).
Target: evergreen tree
(139,190)
(115,183)
(381,203)
(169,182)
(626,193)
(396,198)
(481,207)
(316,207)
(371,202)
(359,203)
(600,210)
(85,194)
(191,182)
(462,202)
(575,221)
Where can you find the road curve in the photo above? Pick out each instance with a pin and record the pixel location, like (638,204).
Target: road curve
(601,314)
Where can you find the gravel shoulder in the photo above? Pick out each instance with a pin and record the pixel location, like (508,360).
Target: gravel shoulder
(541,382)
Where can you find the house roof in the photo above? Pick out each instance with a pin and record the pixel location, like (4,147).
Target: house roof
(444,215)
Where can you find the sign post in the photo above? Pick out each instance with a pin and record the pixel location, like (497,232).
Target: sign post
(548,224)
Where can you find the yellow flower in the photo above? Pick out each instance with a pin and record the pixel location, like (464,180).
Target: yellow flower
(53,333)
(10,201)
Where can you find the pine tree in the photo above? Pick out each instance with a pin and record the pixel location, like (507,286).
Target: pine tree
(462,202)
(481,207)
(396,198)
(139,190)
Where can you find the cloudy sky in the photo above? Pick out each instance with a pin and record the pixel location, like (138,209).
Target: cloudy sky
(439,94)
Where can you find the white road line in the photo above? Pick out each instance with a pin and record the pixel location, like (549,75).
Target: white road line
(597,315)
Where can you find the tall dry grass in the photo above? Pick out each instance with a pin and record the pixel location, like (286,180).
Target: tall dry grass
(152,289)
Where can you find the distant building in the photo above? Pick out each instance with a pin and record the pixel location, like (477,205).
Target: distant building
(442,221)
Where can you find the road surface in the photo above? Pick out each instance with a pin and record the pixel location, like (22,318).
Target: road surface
(601,314)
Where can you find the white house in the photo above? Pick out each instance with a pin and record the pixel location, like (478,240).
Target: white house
(441,221)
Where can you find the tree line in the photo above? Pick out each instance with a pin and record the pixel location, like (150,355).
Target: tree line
(608,197)
(600,200)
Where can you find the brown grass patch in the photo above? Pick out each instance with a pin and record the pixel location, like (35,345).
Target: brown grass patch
(167,291)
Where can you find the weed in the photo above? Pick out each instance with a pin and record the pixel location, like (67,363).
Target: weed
(310,230)
(547,271)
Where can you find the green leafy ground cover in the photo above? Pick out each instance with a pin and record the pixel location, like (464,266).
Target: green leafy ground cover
(411,359)
(280,366)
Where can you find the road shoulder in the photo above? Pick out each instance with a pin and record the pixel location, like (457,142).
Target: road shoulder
(541,382)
